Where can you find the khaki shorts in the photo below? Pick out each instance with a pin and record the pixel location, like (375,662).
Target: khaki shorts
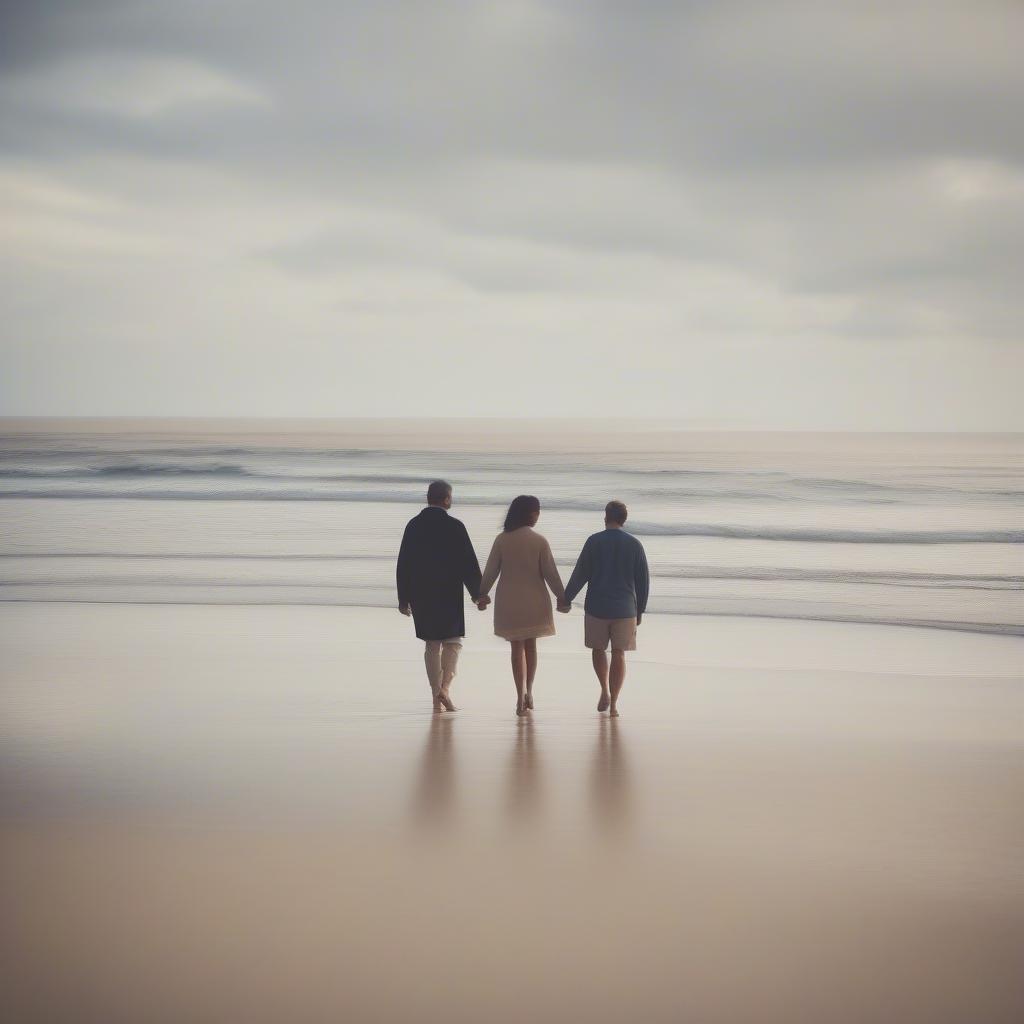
(621,632)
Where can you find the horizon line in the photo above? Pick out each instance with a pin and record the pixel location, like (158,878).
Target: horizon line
(659,423)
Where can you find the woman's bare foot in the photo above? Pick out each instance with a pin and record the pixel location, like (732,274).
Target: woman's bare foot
(612,712)
(437,707)
(528,702)
(602,704)
(520,708)
(446,702)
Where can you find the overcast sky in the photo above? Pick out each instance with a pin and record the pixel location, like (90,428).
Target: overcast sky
(734,212)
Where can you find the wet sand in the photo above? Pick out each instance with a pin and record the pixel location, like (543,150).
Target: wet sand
(249,813)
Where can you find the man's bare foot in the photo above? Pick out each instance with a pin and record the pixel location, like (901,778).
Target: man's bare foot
(446,702)
(602,704)
(613,712)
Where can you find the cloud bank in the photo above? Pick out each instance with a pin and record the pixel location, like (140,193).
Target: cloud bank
(791,215)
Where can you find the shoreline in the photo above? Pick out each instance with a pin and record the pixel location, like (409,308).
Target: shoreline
(971,628)
(681,640)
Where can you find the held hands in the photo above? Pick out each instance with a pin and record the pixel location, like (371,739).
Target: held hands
(482,602)
(405,609)
(565,607)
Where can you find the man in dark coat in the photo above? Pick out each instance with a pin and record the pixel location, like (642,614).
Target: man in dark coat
(435,562)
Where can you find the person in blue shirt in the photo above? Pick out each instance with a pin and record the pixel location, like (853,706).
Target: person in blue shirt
(613,567)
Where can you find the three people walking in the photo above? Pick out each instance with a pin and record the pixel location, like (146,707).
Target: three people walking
(436,561)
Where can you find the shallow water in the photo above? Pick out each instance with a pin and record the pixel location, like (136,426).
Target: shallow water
(912,529)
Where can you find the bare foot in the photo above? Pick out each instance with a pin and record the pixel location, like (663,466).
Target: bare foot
(528,702)
(612,712)
(520,709)
(446,701)
(602,704)
(437,707)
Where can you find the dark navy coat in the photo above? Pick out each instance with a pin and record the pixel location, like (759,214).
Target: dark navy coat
(435,562)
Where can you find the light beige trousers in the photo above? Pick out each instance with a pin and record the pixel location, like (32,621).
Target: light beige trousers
(442,660)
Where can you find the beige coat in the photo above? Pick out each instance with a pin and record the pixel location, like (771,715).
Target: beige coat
(521,562)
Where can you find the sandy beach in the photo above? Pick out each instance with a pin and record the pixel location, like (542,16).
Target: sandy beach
(225,813)
(705,314)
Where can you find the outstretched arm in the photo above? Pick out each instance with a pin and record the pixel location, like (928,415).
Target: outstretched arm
(549,571)
(470,566)
(641,582)
(580,575)
(492,568)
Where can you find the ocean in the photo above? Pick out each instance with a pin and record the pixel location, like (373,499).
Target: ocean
(900,529)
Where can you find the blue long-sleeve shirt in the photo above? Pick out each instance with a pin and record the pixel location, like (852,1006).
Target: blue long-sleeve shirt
(613,566)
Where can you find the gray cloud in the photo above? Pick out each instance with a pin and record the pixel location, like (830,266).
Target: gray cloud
(792,177)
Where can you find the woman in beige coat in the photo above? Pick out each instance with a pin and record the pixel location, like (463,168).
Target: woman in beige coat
(522,563)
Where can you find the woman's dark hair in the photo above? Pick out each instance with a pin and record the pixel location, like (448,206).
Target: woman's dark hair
(521,512)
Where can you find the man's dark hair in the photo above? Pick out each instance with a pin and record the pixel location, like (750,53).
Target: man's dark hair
(615,512)
(438,491)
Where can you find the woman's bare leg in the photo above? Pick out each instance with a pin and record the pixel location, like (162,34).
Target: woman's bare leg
(531,669)
(600,660)
(519,672)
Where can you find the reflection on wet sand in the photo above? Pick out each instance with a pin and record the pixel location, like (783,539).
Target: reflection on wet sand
(611,793)
(524,776)
(435,796)
(532,789)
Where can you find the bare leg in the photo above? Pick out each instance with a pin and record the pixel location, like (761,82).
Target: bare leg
(617,678)
(531,670)
(519,673)
(449,666)
(432,660)
(600,660)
